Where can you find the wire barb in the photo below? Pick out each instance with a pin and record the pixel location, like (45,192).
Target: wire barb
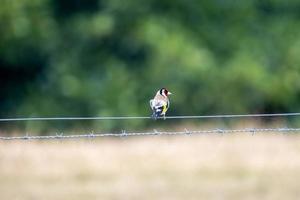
(123,134)
(155,132)
(26,136)
(59,135)
(92,134)
(187,132)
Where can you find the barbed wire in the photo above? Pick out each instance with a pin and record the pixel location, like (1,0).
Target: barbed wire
(152,133)
(145,117)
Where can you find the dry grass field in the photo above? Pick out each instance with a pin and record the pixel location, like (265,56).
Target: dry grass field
(263,166)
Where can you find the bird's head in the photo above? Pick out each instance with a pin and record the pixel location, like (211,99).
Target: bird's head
(164,92)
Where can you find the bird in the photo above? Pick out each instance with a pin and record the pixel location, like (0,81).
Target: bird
(160,103)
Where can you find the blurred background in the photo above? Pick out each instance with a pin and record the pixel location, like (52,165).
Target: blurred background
(108,58)
(81,58)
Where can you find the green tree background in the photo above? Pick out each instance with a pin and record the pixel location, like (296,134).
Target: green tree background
(108,58)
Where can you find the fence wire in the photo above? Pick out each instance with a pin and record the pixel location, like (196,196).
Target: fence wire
(152,133)
(147,117)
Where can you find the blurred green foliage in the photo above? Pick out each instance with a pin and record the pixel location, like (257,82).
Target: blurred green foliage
(108,58)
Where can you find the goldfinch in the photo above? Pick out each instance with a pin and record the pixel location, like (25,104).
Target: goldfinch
(160,103)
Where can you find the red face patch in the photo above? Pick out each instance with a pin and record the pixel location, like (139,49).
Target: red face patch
(166,92)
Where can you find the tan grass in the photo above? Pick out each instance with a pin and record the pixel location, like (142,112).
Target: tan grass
(187,167)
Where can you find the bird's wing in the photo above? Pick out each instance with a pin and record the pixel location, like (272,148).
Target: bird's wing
(156,103)
(151,103)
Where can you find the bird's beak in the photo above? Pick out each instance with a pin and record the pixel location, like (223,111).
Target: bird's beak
(169,93)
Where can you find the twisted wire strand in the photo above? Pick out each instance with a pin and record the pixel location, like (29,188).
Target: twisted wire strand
(155,132)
